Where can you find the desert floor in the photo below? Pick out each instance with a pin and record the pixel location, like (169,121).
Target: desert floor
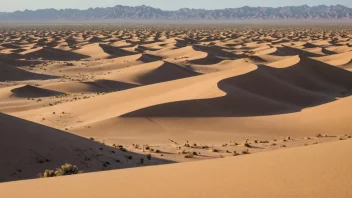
(106,98)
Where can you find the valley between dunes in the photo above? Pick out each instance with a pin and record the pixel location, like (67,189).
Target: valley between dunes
(179,94)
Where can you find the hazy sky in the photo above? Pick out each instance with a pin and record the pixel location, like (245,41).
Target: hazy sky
(12,5)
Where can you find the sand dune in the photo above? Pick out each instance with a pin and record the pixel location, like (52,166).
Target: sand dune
(287,173)
(93,51)
(150,73)
(234,93)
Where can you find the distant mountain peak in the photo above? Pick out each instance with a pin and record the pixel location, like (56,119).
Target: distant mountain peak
(146,12)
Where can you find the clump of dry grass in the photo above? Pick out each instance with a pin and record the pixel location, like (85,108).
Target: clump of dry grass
(66,169)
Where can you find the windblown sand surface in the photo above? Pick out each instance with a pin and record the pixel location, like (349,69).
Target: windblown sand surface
(73,95)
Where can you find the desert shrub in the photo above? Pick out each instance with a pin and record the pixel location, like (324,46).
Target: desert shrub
(189,155)
(235,153)
(49,173)
(157,151)
(149,157)
(245,152)
(187,145)
(66,169)
(247,145)
(215,150)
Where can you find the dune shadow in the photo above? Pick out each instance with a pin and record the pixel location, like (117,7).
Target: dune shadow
(291,51)
(48,53)
(10,73)
(28,91)
(208,60)
(112,85)
(215,51)
(166,72)
(116,51)
(146,58)
(13,61)
(264,91)
(28,148)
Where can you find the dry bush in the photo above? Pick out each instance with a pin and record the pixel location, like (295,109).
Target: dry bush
(66,169)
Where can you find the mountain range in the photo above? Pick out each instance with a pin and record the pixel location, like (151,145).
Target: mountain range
(150,13)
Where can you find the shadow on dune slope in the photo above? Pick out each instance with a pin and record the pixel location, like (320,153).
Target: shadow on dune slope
(48,53)
(265,91)
(29,91)
(28,148)
(166,72)
(116,51)
(11,73)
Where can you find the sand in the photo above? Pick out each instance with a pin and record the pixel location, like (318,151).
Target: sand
(72,94)
(307,172)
